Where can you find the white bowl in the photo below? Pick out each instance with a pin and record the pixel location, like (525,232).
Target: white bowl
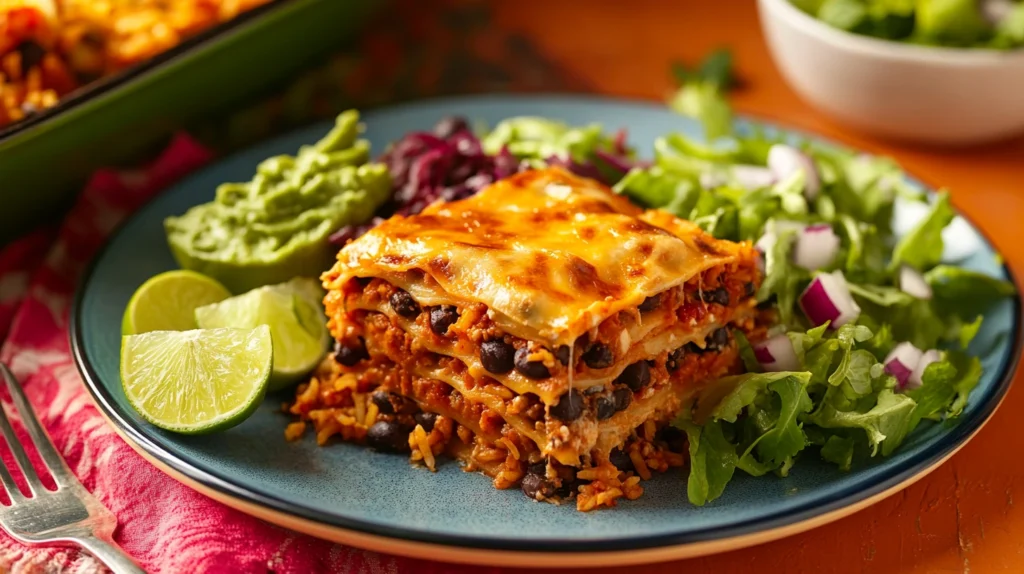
(942,96)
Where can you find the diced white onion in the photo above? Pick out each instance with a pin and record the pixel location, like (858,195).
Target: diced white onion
(765,244)
(828,298)
(816,247)
(753,177)
(777,354)
(901,362)
(928,357)
(749,177)
(912,283)
(712,179)
(785,160)
(772,230)
(959,239)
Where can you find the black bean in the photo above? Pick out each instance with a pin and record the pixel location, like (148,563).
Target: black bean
(425,420)
(447,127)
(387,436)
(350,353)
(395,403)
(750,289)
(598,356)
(540,467)
(605,407)
(442,317)
(569,407)
(497,356)
(675,359)
(382,399)
(403,304)
(719,339)
(537,487)
(635,376)
(719,295)
(651,303)
(622,397)
(528,368)
(562,354)
(567,488)
(31,55)
(675,438)
(621,460)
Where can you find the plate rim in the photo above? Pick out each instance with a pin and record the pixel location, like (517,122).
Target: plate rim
(893,481)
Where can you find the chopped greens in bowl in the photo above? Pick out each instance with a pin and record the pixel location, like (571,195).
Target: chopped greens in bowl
(992,24)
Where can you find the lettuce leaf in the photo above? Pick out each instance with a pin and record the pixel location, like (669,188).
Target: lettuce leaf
(885,424)
(782,278)
(702,93)
(922,247)
(746,421)
(964,292)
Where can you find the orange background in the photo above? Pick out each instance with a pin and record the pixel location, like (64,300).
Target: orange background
(962,517)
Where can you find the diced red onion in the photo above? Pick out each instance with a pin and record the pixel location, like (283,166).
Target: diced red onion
(619,160)
(828,298)
(912,283)
(816,247)
(928,357)
(901,362)
(784,160)
(777,354)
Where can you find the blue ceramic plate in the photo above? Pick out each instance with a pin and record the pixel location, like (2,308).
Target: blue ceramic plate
(354,495)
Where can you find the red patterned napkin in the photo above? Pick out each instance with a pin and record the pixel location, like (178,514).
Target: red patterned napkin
(164,525)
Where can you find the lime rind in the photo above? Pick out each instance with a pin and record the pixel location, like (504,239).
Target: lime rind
(167,302)
(197,381)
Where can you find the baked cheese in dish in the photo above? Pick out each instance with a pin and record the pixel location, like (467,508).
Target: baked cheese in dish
(545,330)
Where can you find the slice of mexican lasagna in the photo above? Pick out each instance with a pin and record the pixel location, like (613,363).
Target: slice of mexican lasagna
(544,331)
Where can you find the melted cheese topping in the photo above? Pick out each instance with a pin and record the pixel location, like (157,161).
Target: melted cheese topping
(550,254)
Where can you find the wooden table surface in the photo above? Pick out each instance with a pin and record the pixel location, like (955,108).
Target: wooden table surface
(961,518)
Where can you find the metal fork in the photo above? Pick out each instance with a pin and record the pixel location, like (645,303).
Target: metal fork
(62,517)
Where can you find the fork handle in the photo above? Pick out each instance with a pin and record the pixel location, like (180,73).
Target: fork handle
(109,553)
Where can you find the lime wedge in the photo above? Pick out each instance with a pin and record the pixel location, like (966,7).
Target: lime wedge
(167,302)
(196,381)
(296,321)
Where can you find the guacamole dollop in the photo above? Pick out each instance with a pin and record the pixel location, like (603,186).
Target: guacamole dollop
(276,226)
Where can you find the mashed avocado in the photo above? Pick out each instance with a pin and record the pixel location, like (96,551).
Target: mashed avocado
(276,226)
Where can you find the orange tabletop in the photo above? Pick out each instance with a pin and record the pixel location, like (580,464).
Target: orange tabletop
(963,516)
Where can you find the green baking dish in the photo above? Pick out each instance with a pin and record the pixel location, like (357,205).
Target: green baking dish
(45,159)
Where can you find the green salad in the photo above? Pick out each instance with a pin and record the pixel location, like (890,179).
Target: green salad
(994,24)
(823,218)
